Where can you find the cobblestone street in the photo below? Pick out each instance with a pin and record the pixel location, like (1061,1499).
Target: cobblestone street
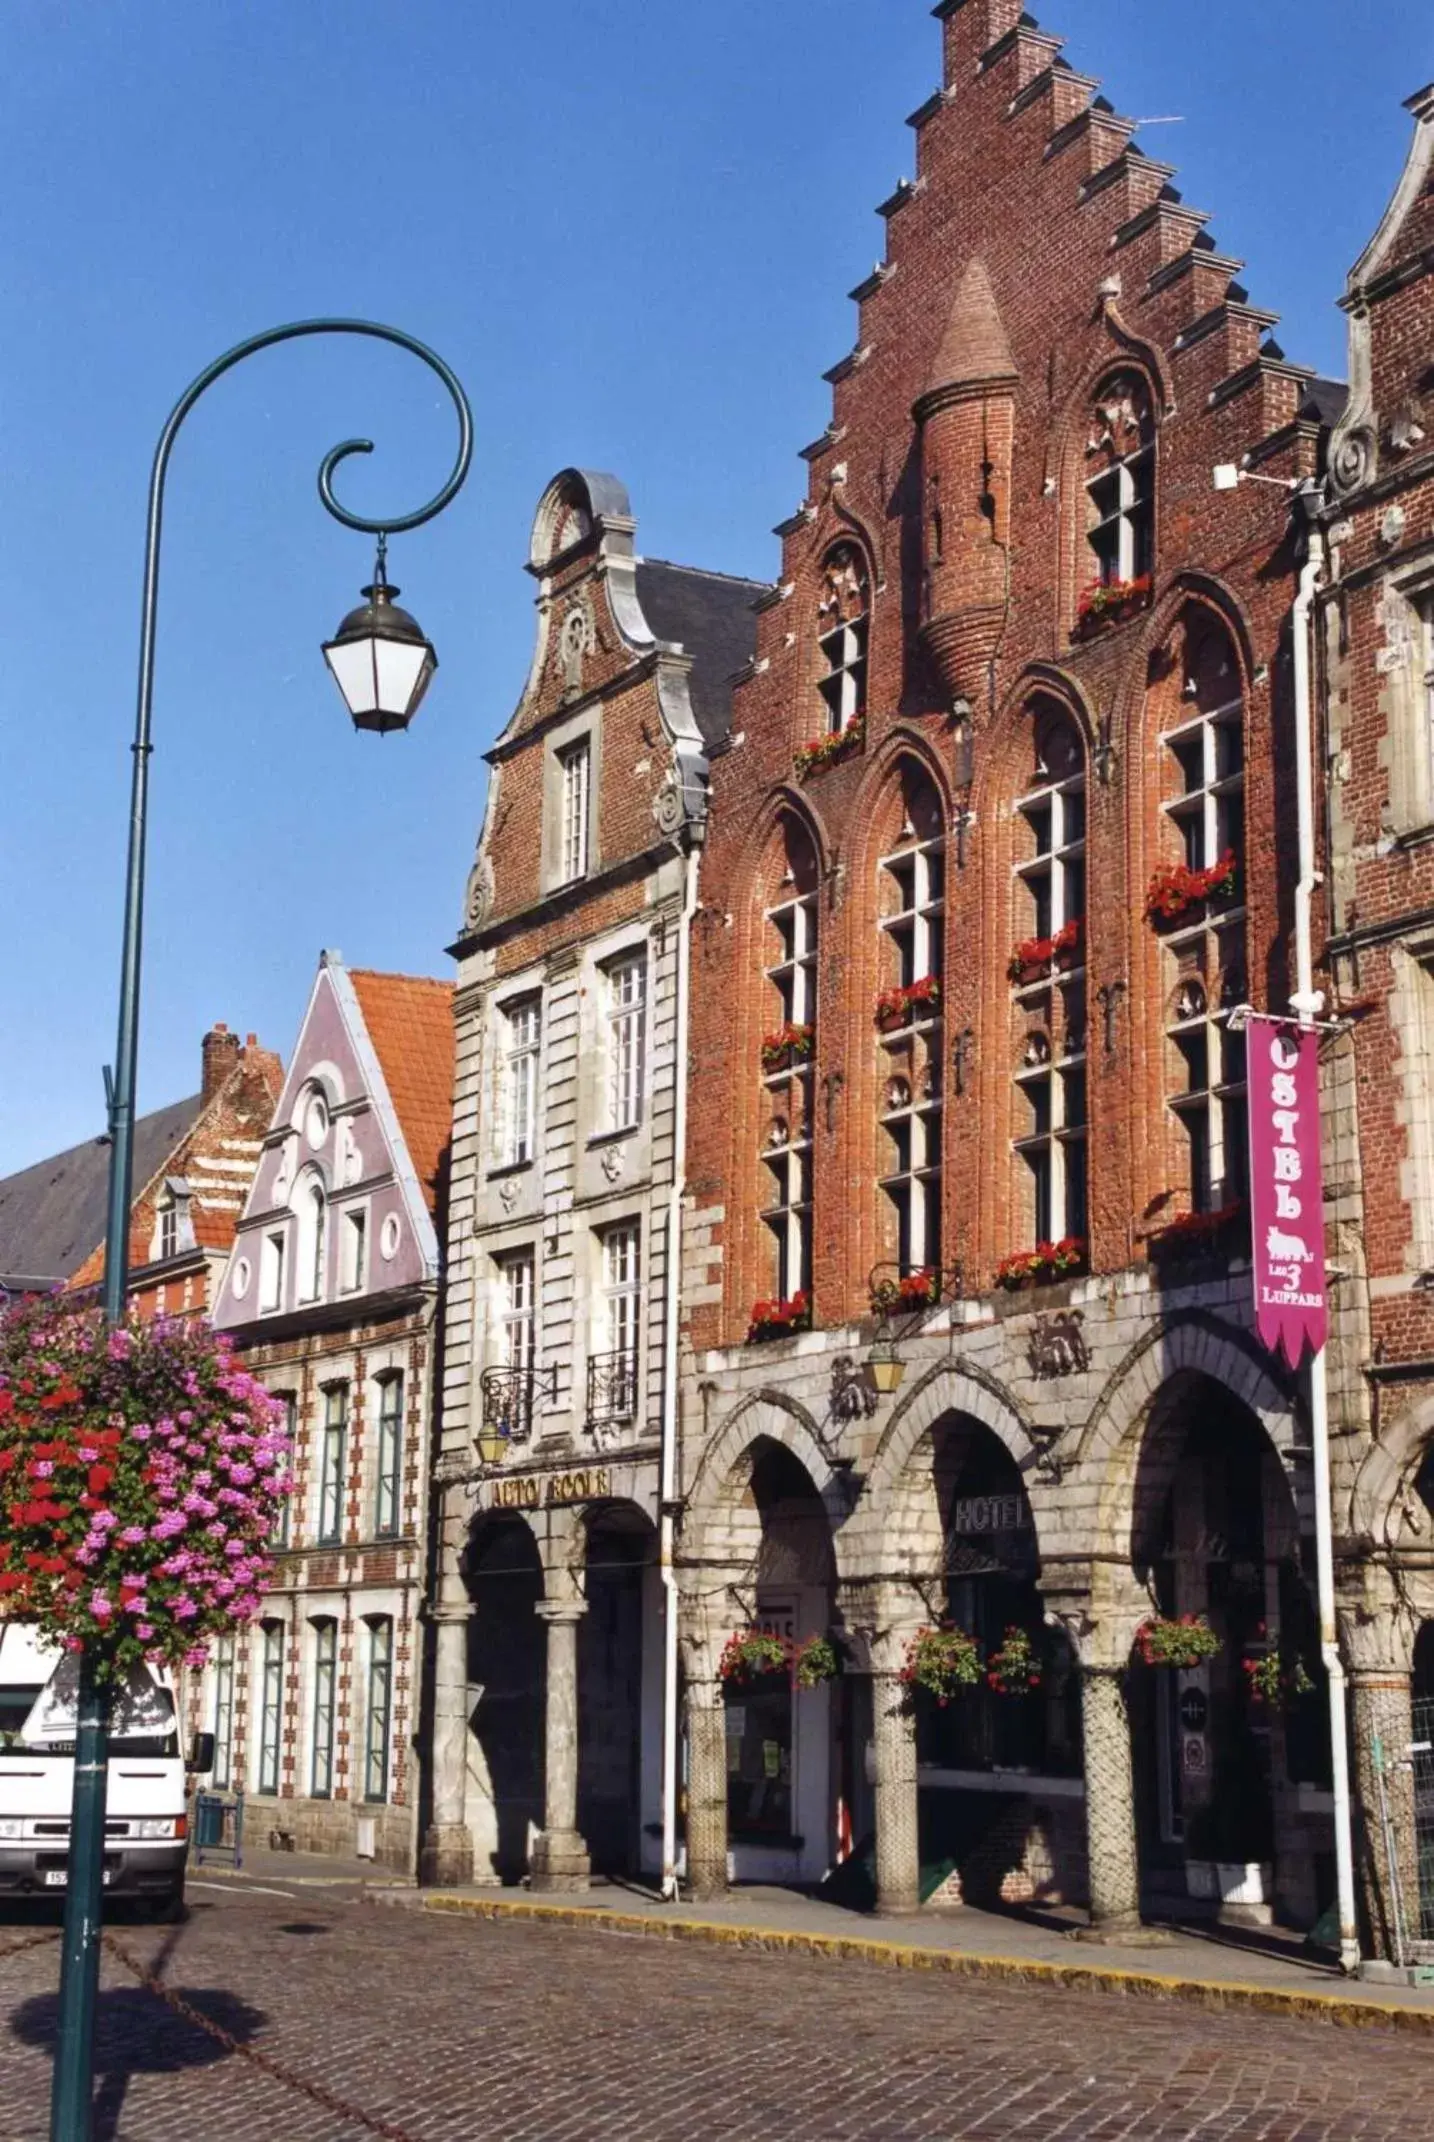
(349,2021)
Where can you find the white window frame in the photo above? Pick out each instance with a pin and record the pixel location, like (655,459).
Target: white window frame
(622,1288)
(793,932)
(269,1768)
(378,1710)
(311,1211)
(521,1045)
(333,1466)
(625,1004)
(575,770)
(388,1465)
(1126,512)
(844,642)
(323,1706)
(223,1713)
(353,1249)
(517,1308)
(912,881)
(1051,890)
(272,1259)
(1208,816)
(283,1521)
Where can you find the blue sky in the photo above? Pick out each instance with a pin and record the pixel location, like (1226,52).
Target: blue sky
(630,225)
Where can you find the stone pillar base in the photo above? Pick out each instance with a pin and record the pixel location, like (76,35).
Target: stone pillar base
(445,1859)
(1123,1933)
(559,1861)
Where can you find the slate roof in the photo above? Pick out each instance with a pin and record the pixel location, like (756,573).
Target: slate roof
(53,1213)
(710,615)
(410,1023)
(1327,398)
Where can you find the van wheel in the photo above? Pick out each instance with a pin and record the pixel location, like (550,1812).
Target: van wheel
(166,1909)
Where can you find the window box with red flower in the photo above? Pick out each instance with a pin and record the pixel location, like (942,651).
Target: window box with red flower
(1014,1670)
(1034,957)
(1109,602)
(819,752)
(1182,1641)
(1175,890)
(898,1007)
(907,1295)
(791,1044)
(779,1319)
(1047,1262)
(1192,1235)
(1275,1679)
(752,1654)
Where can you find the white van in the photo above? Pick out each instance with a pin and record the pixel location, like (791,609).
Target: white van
(146,1826)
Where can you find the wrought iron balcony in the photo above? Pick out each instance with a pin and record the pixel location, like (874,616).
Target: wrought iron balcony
(612,1387)
(510,1397)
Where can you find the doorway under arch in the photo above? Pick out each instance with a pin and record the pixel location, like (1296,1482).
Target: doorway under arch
(507,1671)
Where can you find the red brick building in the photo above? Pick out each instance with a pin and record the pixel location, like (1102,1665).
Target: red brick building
(1004,836)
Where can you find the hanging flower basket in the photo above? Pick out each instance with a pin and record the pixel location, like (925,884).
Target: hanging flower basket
(1276,1680)
(1175,890)
(819,752)
(814,1662)
(752,1654)
(1048,1261)
(1034,957)
(791,1044)
(749,1654)
(141,1475)
(1183,1643)
(942,1661)
(779,1319)
(917,1291)
(1109,602)
(897,1007)
(1015,1669)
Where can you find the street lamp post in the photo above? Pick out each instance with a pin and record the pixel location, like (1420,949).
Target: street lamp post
(382,664)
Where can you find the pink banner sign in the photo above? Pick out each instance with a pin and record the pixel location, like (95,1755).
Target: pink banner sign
(1286,1188)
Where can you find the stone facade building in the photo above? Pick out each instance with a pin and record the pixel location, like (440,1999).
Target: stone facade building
(1375,627)
(560,1333)
(332,1294)
(1004,836)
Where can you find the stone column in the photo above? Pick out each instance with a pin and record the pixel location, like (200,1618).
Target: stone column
(560,1857)
(1378,1642)
(885,1615)
(446,1857)
(1109,1800)
(706,1790)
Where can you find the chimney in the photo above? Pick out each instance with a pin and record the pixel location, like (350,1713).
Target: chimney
(220,1051)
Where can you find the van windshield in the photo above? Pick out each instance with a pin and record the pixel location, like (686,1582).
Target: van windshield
(19,1700)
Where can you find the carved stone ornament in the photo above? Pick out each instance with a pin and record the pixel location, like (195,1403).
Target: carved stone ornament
(478,899)
(669,805)
(846,588)
(508,1194)
(1056,1345)
(852,1397)
(577,639)
(1353,462)
(613,1161)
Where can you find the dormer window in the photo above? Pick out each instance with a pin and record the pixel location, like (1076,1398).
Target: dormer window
(843,627)
(1120,482)
(173,1227)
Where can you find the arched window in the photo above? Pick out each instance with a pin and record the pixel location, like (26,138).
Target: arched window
(311,1212)
(911,909)
(1120,481)
(1198,904)
(788,1058)
(1048,980)
(843,624)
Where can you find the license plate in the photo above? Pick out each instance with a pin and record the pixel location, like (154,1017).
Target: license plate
(58,1877)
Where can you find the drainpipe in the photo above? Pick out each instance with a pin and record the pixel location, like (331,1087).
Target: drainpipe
(667,1492)
(1307,1003)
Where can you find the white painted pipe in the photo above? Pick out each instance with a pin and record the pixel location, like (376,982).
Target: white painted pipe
(667,1523)
(1307,1003)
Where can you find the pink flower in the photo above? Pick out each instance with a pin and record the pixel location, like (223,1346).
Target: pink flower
(144,1630)
(100,1606)
(133,1536)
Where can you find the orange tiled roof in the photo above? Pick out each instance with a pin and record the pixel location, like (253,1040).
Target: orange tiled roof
(410,1023)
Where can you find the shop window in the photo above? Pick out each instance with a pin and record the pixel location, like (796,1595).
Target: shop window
(378,1710)
(325,1689)
(1120,482)
(388,1479)
(912,922)
(788,1058)
(333,1464)
(520,1033)
(1048,978)
(1204,939)
(271,1705)
(843,630)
